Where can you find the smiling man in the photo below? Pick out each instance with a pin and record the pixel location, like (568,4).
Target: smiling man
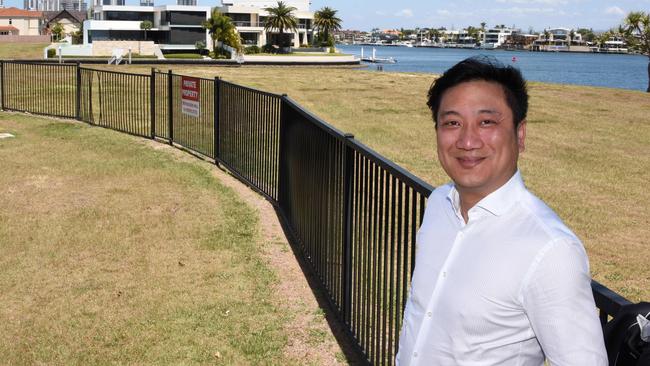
(499,279)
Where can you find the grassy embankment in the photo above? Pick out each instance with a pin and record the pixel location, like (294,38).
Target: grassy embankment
(111,251)
(21,51)
(587,156)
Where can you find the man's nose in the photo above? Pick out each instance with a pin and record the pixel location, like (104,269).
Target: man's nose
(469,138)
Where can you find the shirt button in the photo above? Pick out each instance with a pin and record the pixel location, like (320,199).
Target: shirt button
(429,314)
(415,354)
(444,274)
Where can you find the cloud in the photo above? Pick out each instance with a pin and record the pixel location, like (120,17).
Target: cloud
(380,13)
(443,12)
(407,13)
(614,10)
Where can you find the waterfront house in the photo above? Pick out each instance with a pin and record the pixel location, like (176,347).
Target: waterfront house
(70,20)
(496,37)
(557,39)
(19,22)
(249,17)
(178,27)
(175,27)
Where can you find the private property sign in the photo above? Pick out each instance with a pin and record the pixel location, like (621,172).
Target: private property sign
(190,94)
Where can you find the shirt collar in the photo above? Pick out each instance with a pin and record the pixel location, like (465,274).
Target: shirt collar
(496,203)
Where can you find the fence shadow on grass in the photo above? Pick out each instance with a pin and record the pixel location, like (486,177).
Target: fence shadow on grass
(350,214)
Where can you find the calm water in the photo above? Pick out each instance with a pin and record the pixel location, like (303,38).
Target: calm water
(613,71)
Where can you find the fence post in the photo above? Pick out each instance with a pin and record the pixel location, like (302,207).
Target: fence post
(152,102)
(348,182)
(283,158)
(170,108)
(2,85)
(216,110)
(78,104)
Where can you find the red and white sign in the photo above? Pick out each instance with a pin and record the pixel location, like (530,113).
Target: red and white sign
(190,93)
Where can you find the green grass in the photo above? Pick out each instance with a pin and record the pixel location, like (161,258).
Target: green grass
(183,56)
(19,51)
(587,153)
(111,251)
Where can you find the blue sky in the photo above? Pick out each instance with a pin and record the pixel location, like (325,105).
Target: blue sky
(538,14)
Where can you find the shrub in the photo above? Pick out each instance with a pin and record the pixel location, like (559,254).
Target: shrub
(51,53)
(251,50)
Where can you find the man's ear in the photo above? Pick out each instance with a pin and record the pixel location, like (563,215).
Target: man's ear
(521,136)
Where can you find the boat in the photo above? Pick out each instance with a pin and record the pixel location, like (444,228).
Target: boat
(377,60)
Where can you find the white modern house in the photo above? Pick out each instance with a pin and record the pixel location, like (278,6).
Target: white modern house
(249,17)
(496,37)
(175,27)
(178,27)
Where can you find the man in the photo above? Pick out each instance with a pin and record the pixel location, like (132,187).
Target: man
(499,279)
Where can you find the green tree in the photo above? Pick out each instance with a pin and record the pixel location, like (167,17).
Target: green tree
(572,35)
(146,25)
(221,29)
(281,17)
(636,30)
(78,36)
(587,34)
(326,21)
(57,31)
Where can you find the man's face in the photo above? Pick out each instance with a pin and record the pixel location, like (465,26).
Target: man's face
(477,143)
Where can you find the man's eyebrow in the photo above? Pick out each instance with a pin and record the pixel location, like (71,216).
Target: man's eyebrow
(447,113)
(489,111)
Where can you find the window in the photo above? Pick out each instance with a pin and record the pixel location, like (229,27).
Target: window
(9,21)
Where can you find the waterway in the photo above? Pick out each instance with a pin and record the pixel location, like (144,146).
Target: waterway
(607,70)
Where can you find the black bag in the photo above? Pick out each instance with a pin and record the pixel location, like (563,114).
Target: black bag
(623,337)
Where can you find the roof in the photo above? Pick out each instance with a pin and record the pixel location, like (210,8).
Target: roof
(20,13)
(8,28)
(78,16)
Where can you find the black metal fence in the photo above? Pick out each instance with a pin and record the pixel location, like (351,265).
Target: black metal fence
(352,213)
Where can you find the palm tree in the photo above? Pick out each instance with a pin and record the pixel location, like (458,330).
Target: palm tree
(572,35)
(547,35)
(636,30)
(146,25)
(281,17)
(221,29)
(326,21)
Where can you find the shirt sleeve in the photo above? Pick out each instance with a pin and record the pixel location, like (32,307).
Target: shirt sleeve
(559,303)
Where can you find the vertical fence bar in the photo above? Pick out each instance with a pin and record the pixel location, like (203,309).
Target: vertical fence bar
(2,85)
(348,180)
(216,95)
(78,94)
(152,102)
(170,107)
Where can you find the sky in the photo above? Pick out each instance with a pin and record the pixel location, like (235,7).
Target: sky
(599,15)
(457,14)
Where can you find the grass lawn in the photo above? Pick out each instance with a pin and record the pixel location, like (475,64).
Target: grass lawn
(112,251)
(587,155)
(21,51)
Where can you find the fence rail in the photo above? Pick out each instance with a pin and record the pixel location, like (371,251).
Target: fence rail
(352,213)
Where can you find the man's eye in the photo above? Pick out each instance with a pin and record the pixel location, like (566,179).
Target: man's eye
(451,123)
(487,122)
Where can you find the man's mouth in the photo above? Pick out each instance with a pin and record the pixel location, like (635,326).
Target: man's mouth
(469,162)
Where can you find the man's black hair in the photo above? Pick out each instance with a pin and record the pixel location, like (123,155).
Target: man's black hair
(486,69)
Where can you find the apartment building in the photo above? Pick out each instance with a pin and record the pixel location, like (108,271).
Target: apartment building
(55,5)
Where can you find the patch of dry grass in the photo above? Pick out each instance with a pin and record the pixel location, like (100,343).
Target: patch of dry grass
(21,51)
(111,251)
(588,153)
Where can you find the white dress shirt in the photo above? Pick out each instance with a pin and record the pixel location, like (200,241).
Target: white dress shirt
(510,287)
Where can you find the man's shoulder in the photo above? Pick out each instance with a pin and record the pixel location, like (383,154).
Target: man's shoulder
(539,215)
